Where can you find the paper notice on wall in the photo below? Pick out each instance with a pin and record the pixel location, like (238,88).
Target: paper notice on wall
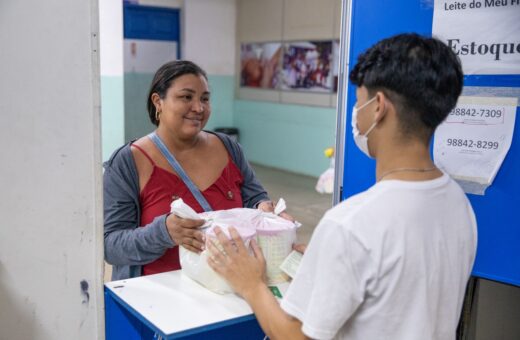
(474,140)
(483,33)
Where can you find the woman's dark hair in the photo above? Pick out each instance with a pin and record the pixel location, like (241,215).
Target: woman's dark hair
(422,76)
(164,78)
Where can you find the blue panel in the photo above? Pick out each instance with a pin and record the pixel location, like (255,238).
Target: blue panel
(249,329)
(373,20)
(121,324)
(498,254)
(124,322)
(151,23)
(492,80)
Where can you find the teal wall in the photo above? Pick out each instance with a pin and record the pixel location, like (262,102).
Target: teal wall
(289,137)
(137,123)
(222,90)
(112,114)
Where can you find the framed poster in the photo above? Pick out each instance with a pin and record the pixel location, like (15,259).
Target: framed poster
(260,65)
(307,66)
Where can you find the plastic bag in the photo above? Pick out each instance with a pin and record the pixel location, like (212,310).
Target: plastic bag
(196,266)
(325,184)
(275,236)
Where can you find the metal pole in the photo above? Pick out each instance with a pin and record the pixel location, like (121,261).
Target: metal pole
(341,106)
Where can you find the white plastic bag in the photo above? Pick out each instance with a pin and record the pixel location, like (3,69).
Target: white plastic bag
(325,183)
(196,266)
(275,236)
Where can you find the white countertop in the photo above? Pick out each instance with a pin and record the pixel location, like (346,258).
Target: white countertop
(174,303)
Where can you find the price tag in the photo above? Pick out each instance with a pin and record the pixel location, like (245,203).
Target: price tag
(474,139)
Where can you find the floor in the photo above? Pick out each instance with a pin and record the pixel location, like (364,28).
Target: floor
(303,202)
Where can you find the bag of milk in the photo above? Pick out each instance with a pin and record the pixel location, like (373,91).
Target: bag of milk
(274,235)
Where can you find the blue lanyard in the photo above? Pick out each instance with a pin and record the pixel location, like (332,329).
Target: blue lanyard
(180,171)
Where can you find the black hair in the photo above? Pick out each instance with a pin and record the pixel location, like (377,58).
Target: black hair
(422,77)
(164,78)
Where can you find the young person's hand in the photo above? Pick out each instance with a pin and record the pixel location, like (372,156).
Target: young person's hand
(244,272)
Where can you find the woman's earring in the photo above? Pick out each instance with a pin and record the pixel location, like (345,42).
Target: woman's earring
(157,113)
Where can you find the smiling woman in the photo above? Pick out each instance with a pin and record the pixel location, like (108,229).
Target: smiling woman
(178,160)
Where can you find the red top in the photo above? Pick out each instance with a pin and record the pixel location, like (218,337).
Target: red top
(163,187)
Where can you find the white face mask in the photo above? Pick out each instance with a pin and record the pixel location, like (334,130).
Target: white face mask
(361,140)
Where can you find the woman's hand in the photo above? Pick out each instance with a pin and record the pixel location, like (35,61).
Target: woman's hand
(244,272)
(184,232)
(285,215)
(268,206)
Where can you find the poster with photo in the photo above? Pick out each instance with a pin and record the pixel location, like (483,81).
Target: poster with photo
(260,65)
(307,66)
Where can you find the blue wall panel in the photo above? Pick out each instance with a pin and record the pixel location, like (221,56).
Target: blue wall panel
(151,23)
(498,254)
(373,20)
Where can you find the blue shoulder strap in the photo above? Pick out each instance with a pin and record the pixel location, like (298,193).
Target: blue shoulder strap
(180,171)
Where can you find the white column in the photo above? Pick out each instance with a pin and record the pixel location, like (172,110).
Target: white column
(51,233)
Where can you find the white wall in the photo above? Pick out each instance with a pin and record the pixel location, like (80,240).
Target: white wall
(111,37)
(209,35)
(51,224)
(112,81)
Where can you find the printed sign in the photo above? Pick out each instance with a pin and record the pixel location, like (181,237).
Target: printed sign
(474,139)
(483,33)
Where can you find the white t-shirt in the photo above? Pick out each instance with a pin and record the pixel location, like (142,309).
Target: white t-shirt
(389,263)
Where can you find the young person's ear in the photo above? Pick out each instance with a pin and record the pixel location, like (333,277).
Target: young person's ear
(382,106)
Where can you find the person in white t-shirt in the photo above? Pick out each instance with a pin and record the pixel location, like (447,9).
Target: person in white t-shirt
(391,262)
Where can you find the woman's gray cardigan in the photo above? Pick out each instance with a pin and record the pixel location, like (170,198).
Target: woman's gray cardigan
(128,247)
